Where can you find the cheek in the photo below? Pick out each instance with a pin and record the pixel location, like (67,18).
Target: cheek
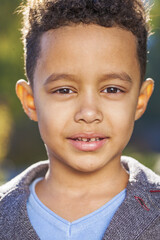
(122,118)
(52,120)
(121,129)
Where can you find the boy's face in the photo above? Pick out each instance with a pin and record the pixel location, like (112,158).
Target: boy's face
(86,92)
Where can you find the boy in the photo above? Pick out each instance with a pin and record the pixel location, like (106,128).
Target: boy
(85,64)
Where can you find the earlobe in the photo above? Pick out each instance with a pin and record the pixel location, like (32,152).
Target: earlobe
(144,96)
(25,94)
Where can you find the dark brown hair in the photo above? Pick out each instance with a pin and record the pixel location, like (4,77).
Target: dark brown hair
(40,16)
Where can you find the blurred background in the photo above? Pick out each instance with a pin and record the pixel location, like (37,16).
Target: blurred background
(20,142)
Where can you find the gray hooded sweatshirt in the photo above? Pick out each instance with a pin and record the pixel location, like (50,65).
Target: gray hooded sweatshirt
(138,217)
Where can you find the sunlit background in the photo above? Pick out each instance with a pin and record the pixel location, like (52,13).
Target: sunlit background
(20,143)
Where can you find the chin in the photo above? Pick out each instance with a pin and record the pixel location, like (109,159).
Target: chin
(88,168)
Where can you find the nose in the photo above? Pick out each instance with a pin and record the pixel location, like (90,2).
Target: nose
(88,112)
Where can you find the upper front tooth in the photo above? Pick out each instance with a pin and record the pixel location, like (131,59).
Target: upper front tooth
(93,139)
(84,139)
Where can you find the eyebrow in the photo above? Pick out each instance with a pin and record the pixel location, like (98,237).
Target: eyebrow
(58,76)
(122,76)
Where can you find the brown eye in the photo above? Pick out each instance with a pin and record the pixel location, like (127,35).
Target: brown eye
(112,90)
(63,91)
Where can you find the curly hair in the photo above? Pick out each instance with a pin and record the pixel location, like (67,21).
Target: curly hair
(40,16)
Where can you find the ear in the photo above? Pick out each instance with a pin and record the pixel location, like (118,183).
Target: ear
(25,95)
(144,96)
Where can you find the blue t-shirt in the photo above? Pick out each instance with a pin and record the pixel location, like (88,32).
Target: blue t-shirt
(50,226)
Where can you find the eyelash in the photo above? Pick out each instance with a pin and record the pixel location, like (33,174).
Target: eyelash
(110,90)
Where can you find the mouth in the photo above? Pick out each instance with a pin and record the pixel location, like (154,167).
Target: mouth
(87,142)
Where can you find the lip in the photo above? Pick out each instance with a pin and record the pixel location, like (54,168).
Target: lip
(88,146)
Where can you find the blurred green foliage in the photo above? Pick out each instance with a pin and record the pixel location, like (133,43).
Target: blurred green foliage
(11,57)
(25,145)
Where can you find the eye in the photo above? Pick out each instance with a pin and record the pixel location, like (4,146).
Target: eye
(112,90)
(63,91)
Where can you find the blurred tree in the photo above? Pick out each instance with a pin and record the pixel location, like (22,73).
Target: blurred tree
(146,135)
(11,58)
(25,143)
(5,129)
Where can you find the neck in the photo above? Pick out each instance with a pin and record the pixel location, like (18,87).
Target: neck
(73,194)
(61,179)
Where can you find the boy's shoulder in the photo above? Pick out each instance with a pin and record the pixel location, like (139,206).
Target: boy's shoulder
(24,179)
(144,184)
(138,217)
(140,173)
(14,221)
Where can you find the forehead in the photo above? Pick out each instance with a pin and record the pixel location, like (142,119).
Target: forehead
(84,49)
(84,35)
